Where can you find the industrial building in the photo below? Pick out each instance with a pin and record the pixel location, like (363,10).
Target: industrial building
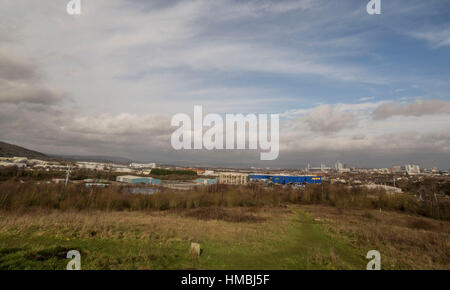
(233,178)
(137,179)
(242,178)
(286,179)
(206,181)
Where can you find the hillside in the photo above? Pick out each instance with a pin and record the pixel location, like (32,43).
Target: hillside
(10,150)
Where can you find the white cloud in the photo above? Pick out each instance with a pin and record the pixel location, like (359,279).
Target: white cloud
(436,37)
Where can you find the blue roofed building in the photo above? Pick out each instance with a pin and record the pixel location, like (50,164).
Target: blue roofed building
(286,179)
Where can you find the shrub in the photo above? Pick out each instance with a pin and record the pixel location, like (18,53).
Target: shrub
(28,195)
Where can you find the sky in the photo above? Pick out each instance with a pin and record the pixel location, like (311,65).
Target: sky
(367,90)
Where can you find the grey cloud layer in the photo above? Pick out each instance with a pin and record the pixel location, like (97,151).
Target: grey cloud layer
(61,131)
(326,120)
(20,82)
(418,108)
(13,67)
(128,65)
(64,131)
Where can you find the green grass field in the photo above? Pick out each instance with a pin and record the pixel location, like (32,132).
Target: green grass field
(295,241)
(293,237)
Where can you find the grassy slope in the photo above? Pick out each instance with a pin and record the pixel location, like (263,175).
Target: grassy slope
(303,245)
(286,240)
(404,241)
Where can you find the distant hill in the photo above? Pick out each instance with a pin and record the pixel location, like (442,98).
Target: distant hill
(10,150)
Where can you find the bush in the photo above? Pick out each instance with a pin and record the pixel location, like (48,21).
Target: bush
(24,196)
(158,171)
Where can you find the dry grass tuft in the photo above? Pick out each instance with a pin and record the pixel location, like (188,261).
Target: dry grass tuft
(236,215)
(424,224)
(404,241)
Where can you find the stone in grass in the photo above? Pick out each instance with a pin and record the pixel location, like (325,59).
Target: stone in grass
(195,250)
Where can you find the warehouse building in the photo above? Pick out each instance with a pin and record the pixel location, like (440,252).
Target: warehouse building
(286,179)
(137,179)
(233,178)
(206,181)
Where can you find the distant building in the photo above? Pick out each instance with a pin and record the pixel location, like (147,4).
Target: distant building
(412,169)
(388,189)
(124,169)
(18,159)
(341,167)
(90,165)
(12,164)
(233,178)
(322,168)
(206,181)
(137,179)
(142,165)
(286,179)
(381,170)
(396,169)
(209,173)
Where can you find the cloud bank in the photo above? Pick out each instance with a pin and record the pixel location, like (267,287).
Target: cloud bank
(108,81)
